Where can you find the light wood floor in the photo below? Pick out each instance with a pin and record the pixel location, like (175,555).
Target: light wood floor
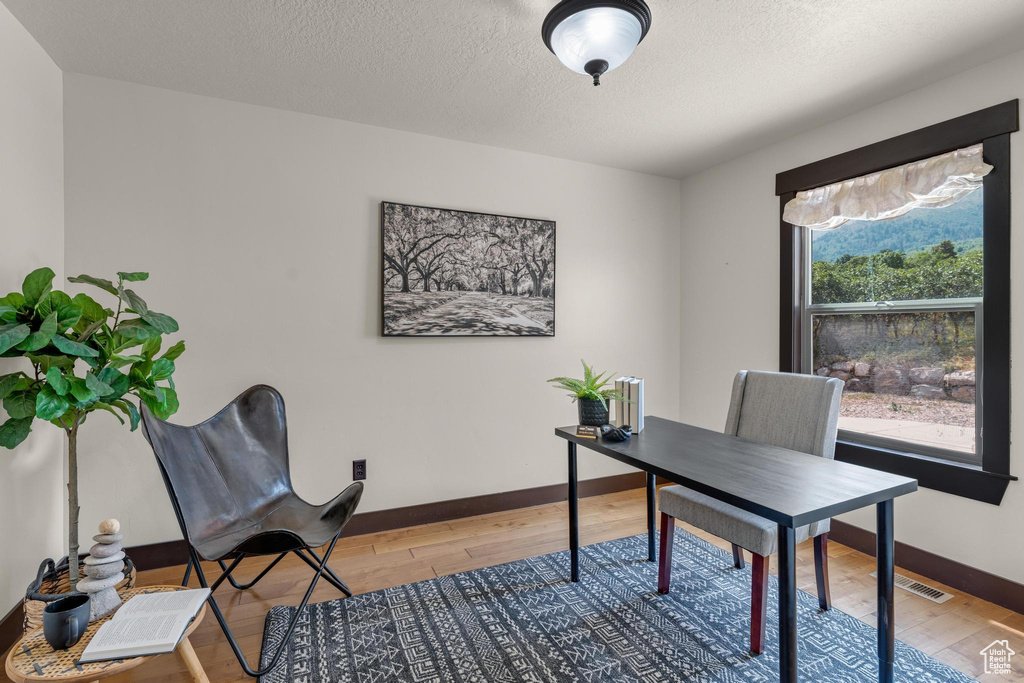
(953,632)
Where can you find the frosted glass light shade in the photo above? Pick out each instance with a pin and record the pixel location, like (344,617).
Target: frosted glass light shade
(595,36)
(598,33)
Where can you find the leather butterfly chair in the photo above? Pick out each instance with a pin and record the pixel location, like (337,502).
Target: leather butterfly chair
(231,490)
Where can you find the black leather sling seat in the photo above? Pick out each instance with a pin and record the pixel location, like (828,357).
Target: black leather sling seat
(232,493)
(229,478)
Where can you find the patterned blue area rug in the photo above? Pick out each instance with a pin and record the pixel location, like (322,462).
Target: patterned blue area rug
(523,621)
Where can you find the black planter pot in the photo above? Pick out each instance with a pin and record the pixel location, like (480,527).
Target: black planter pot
(592,412)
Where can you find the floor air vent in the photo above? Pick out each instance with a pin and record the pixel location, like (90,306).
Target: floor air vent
(918,588)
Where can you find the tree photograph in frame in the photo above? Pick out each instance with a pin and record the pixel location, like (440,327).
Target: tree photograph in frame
(458,273)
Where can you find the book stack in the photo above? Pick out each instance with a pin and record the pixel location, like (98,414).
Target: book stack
(631,411)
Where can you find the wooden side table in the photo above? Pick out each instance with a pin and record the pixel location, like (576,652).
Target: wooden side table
(32,658)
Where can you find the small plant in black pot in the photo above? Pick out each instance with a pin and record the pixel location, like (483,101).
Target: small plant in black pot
(590,393)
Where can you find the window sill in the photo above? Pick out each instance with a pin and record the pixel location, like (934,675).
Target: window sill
(958,479)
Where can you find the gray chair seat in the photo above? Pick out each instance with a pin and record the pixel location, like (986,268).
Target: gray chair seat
(799,412)
(728,522)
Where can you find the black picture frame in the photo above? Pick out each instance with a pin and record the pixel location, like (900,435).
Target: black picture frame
(992,127)
(480,328)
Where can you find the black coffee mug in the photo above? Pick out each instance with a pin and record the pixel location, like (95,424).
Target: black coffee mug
(65,620)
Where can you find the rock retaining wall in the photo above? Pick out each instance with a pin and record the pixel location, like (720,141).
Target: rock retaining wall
(920,382)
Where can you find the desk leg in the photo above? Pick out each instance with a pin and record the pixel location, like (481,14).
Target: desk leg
(574,516)
(886,625)
(651,495)
(787,605)
(191,661)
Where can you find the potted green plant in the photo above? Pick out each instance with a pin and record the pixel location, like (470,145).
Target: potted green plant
(590,394)
(78,351)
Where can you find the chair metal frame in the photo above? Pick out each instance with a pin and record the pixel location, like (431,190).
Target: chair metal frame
(268,543)
(318,564)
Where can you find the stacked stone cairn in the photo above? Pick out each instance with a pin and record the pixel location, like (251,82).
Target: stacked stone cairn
(104,569)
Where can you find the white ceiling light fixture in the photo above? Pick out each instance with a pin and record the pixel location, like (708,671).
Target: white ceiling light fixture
(594,36)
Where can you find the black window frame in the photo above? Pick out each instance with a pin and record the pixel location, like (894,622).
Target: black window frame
(992,127)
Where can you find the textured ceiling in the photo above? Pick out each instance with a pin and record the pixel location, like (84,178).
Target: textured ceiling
(713,79)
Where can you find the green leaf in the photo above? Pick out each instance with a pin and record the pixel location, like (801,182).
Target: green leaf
(99,405)
(96,385)
(91,310)
(163,404)
(121,343)
(129,409)
(80,391)
(21,403)
(12,335)
(14,431)
(55,378)
(140,371)
(119,361)
(105,285)
(165,323)
(8,314)
(42,336)
(73,348)
(50,406)
(163,368)
(158,392)
(90,330)
(7,384)
(52,302)
(134,301)
(68,315)
(133,277)
(170,404)
(151,347)
(136,328)
(47,362)
(37,285)
(175,351)
(117,381)
(15,299)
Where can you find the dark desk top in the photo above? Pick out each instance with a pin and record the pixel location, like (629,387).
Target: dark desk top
(787,487)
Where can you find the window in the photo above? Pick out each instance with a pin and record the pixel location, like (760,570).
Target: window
(908,306)
(891,308)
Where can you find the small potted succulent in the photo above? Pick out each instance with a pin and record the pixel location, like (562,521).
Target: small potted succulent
(590,394)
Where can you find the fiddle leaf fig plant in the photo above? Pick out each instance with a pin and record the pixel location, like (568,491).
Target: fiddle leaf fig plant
(84,357)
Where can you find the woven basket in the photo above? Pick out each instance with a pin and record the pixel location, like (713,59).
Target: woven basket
(51,584)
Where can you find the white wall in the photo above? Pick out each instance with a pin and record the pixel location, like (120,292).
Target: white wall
(31,236)
(261,230)
(730,284)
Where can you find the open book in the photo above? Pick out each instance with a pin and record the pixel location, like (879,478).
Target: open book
(148,624)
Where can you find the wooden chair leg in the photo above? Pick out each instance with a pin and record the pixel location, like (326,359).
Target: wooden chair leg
(758,602)
(191,661)
(737,556)
(821,570)
(668,528)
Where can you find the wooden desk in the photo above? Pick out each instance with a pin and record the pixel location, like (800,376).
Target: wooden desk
(32,658)
(787,487)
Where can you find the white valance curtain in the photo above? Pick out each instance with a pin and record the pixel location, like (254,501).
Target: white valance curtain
(930,183)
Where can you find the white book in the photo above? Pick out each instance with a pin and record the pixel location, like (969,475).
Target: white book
(636,408)
(620,406)
(148,624)
(631,406)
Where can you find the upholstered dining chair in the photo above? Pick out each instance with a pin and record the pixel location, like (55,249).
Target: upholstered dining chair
(798,412)
(231,490)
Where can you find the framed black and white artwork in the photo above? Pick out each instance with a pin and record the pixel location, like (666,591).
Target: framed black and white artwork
(458,273)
